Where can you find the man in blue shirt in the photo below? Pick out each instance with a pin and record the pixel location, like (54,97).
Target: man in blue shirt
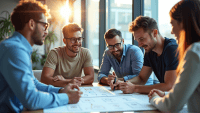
(160,57)
(125,59)
(18,87)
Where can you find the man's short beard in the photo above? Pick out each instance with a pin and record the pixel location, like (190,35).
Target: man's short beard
(36,37)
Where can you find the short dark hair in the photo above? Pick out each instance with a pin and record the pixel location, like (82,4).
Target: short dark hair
(111,33)
(72,27)
(145,22)
(27,10)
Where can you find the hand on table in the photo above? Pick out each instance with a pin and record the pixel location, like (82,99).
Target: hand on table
(77,80)
(127,87)
(155,92)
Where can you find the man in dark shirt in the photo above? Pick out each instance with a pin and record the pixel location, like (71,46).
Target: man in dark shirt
(160,57)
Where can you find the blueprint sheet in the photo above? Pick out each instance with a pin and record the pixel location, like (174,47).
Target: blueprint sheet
(102,99)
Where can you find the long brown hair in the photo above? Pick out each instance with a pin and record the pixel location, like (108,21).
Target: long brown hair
(188,13)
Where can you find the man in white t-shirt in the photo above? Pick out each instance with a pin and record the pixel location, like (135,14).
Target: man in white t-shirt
(65,64)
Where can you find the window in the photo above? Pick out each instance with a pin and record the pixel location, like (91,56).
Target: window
(77,12)
(92,29)
(119,15)
(159,10)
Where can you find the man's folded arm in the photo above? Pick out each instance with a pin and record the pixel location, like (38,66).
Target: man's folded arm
(47,78)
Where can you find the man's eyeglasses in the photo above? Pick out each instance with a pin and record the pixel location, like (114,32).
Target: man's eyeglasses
(46,25)
(73,40)
(117,45)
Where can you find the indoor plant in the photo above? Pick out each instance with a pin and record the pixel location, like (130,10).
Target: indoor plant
(6,27)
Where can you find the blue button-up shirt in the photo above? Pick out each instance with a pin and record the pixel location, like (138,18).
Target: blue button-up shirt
(18,86)
(129,67)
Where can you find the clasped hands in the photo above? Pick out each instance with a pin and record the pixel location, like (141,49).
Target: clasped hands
(75,80)
(155,92)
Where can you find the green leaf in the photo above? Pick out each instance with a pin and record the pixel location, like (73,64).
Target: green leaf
(7,29)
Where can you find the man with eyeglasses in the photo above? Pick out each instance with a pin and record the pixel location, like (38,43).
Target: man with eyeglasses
(64,64)
(160,57)
(125,59)
(19,88)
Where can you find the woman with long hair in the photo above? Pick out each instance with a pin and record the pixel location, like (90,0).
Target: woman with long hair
(185,21)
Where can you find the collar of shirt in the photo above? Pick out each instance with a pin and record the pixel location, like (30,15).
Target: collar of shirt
(24,41)
(124,51)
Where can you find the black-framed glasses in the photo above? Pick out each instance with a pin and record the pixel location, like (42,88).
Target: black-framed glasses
(46,25)
(73,40)
(117,45)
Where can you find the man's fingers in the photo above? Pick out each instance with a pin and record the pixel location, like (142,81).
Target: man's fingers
(111,76)
(78,78)
(114,74)
(82,80)
(80,92)
(115,84)
(75,86)
(55,79)
(123,84)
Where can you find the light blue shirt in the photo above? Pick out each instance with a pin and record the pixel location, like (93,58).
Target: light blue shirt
(129,67)
(18,86)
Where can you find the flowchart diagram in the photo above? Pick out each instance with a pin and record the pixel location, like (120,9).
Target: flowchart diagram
(102,99)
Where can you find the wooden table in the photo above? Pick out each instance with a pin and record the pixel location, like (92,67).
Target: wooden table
(97,84)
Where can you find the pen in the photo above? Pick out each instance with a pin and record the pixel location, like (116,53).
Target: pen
(114,83)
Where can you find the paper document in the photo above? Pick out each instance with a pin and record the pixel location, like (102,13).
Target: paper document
(102,99)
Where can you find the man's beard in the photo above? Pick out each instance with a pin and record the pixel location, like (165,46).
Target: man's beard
(71,48)
(150,49)
(36,37)
(117,55)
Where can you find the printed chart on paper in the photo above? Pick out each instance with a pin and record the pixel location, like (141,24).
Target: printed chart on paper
(102,99)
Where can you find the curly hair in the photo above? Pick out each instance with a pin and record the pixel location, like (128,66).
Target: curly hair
(26,10)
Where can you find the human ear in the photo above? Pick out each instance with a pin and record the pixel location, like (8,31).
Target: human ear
(122,40)
(65,41)
(31,24)
(155,32)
